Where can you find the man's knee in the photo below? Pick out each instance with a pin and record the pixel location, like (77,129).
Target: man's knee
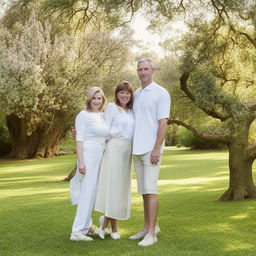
(149,196)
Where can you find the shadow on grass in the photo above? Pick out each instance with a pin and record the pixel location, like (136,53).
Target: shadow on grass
(36,215)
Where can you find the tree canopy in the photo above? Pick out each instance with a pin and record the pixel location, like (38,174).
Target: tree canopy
(43,79)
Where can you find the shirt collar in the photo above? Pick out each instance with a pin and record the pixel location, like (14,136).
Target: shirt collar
(148,87)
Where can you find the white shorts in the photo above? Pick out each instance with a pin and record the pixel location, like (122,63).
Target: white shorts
(147,173)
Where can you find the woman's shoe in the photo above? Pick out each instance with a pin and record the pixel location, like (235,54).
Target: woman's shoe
(101,220)
(101,233)
(115,235)
(80,237)
(92,231)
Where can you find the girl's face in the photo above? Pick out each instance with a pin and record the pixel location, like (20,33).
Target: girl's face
(123,97)
(96,102)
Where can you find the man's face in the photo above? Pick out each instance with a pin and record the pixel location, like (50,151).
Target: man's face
(145,72)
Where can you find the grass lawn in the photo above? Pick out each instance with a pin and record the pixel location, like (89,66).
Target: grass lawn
(36,215)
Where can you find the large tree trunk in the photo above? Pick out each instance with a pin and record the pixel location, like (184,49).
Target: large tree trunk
(42,142)
(52,134)
(241,185)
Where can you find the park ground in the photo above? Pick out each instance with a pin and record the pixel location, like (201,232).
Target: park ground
(36,214)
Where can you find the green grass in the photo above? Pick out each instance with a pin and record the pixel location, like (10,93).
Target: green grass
(36,215)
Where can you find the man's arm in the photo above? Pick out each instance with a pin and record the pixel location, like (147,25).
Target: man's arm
(161,131)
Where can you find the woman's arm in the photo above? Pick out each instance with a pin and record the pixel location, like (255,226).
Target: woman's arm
(80,133)
(79,152)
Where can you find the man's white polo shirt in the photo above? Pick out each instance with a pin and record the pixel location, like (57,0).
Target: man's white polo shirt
(150,105)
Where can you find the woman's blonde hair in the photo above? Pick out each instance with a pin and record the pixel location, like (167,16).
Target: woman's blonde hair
(90,94)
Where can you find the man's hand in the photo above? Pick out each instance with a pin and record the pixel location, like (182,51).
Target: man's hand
(82,169)
(155,156)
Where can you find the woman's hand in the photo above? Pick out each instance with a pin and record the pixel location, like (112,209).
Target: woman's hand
(82,169)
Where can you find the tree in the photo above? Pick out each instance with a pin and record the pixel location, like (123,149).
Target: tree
(43,80)
(216,81)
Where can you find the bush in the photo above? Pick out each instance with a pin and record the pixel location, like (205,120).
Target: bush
(68,145)
(171,138)
(188,139)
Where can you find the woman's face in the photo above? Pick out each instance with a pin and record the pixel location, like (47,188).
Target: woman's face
(96,102)
(123,97)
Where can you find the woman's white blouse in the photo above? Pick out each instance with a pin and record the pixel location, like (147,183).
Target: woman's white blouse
(91,125)
(120,122)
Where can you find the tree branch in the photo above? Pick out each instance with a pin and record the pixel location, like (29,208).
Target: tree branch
(224,138)
(249,38)
(184,88)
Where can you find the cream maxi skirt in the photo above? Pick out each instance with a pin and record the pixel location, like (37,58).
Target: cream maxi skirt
(114,189)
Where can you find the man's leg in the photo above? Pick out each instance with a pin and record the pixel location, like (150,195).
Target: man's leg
(152,209)
(146,212)
(139,168)
(151,173)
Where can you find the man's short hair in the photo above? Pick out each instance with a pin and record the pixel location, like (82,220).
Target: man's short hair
(149,61)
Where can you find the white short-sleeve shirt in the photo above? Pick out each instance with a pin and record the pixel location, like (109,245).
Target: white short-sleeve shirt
(120,122)
(150,105)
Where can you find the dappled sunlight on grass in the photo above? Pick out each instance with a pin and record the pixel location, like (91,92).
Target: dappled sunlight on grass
(237,245)
(190,181)
(35,204)
(240,216)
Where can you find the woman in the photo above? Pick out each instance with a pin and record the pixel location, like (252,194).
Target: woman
(91,132)
(114,190)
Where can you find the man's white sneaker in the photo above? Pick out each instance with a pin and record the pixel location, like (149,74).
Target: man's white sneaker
(115,235)
(157,229)
(80,237)
(148,240)
(143,232)
(139,235)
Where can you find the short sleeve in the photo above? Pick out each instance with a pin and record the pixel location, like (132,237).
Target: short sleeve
(164,105)
(80,126)
(109,114)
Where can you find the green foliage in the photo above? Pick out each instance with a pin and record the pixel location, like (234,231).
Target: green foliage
(40,75)
(171,138)
(68,145)
(188,139)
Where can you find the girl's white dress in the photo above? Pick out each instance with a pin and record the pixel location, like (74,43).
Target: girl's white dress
(114,189)
(92,130)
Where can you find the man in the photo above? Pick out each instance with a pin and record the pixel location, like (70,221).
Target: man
(151,109)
